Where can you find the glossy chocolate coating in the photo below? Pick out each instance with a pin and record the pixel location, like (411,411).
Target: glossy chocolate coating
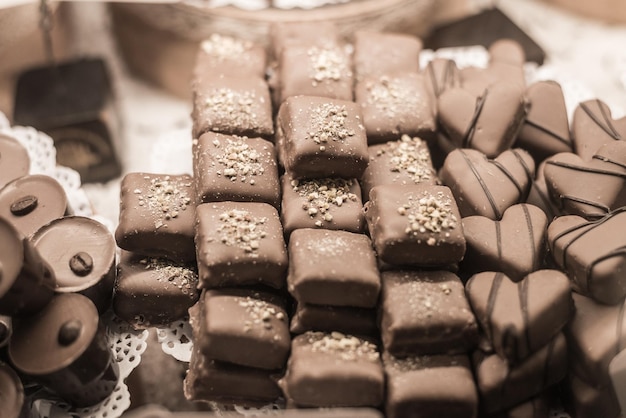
(332,268)
(384,53)
(441,74)
(436,386)
(153,291)
(322,138)
(354,321)
(425,313)
(417,225)
(30,202)
(6,330)
(225,55)
(12,401)
(77,362)
(14,160)
(617,372)
(539,195)
(85,263)
(333,369)
(240,244)
(520,318)
(157,215)
(236,169)
(593,127)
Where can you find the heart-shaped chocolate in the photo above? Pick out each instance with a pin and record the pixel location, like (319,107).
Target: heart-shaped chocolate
(514,245)
(546,128)
(593,126)
(588,188)
(592,253)
(540,196)
(520,318)
(486,187)
(488,123)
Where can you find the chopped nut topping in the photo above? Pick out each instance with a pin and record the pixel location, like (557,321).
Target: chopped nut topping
(348,347)
(328,123)
(240,160)
(327,63)
(260,313)
(239,228)
(225,47)
(165,197)
(184,278)
(410,156)
(228,106)
(330,246)
(428,214)
(390,96)
(322,194)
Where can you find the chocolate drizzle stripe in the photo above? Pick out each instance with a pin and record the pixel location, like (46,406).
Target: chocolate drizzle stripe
(586,169)
(492,202)
(522,292)
(491,301)
(510,176)
(469,135)
(433,80)
(449,74)
(609,160)
(620,251)
(531,236)
(620,329)
(547,131)
(606,125)
(605,209)
(546,364)
(499,239)
(529,173)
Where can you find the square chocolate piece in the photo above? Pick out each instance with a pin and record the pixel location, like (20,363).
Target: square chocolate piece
(225,55)
(381,54)
(333,370)
(396,104)
(240,244)
(426,312)
(235,168)
(157,215)
(355,321)
(404,161)
(153,292)
(244,327)
(329,203)
(335,268)
(417,225)
(322,138)
(436,386)
(232,105)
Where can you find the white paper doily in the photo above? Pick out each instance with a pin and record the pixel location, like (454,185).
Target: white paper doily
(177,340)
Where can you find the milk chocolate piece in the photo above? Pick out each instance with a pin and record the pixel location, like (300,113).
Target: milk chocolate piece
(329,203)
(425,312)
(333,369)
(30,202)
(416,225)
(436,386)
(12,399)
(593,127)
(539,195)
(322,138)
(546,128)
(14,160)
(379,54)
(85,263)
(502,386)
(617,371)
(325,318)
(77,362)
(486,187)
(244,327)
(153,292)
(395,104)
(515,245)
(288,34)
(157,213)
(226,55)
(520,318)
(332,268)
(589,188)
(231,105)
(441,74)
(592,254)
(235,169)
(488,123)
(240,244)
(583,400)
(404,161)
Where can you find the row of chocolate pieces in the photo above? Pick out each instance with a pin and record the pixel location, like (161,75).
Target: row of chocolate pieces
(56,277)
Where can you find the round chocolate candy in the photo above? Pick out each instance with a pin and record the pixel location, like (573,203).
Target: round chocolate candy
(12,403)
(85,263)
(14,160)
(64,348)
(31,202)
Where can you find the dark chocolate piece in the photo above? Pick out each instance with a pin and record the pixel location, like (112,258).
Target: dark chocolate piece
(244,327)
(347,320)
(77,362)
(502,386)
(328,203)
(30,202)
(85,263)
(379,54)
(546,128)
(322,138)
(593,127)
(395,104)
(153,292)
(441,74)
(333,370)
(14,160)
(426,313)
(591,188)
(226,55)
(583,400)
(236,169)
(12,400)
(592,254)
(417,225)
(404,161)
(486,187)
(514,245)
(436,386)
(157,213)
(240,244)
(332,268)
